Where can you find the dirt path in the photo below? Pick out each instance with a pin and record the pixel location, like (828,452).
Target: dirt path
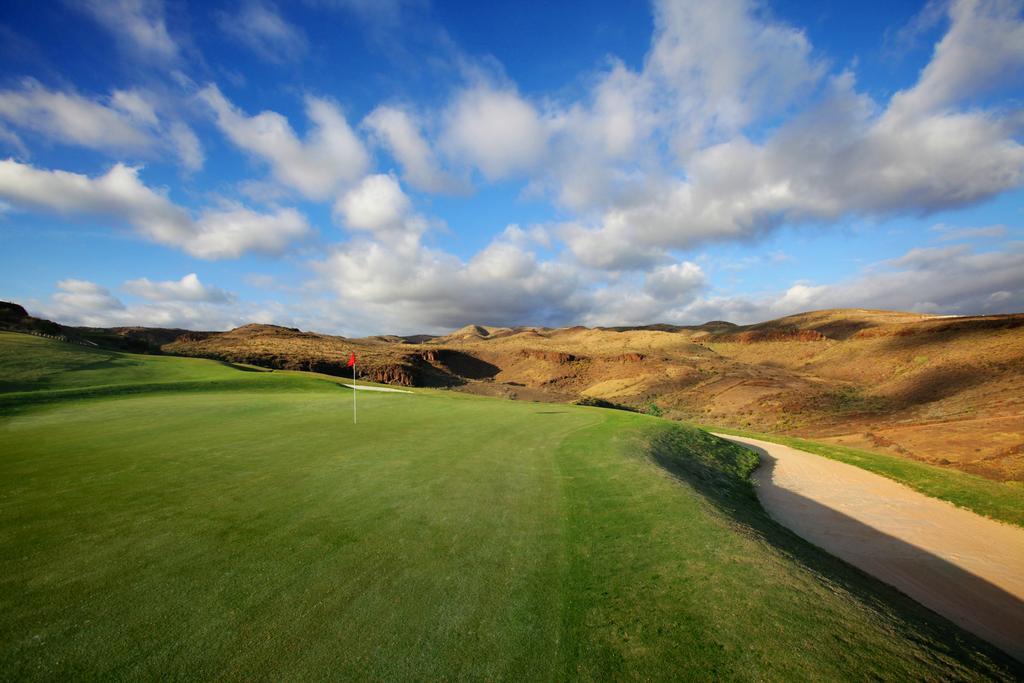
(966,567)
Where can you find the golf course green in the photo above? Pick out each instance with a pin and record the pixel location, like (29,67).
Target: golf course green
(180,518)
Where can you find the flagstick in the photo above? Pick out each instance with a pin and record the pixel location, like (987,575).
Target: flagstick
(353,391)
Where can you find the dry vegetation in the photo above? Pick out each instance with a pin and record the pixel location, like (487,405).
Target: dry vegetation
(944,390)
(878,380)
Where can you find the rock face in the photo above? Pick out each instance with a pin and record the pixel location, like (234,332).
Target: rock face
(558,357)
(392,374)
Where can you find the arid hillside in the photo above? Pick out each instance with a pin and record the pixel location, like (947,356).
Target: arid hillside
(946,390)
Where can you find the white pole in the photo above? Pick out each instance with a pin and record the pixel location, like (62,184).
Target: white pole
(353,392)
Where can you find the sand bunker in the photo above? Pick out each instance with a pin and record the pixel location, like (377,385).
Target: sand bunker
(360,387)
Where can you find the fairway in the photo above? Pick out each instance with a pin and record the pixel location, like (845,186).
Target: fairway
(182,518)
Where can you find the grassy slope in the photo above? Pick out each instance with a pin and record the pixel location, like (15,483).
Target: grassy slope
(244,534)
(999,500)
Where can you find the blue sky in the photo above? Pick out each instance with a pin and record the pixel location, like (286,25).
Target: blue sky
(360,167)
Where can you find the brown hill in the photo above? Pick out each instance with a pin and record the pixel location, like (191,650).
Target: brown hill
(947,390)
(386,359)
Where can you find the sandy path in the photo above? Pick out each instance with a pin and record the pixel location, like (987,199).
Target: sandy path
(966,567)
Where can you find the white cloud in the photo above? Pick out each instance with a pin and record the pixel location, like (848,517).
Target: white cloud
(840,158)
(612,248)
(948,233)
(405,286)
(728,130)
(945,280)
(187,146)
(119,194)
(661,296)
(86,298)
(139,24)
(72,118)
(376,204)
(400,133)
(188,288)
(715,75)
(907,37)
(948,280)
(10,140)
(713,70)
(719,66)
(983,50)
(674,282)
(259,26)
(330,156)
(85,303)
(496,131)
(231,232)
(135,104)
(126,121)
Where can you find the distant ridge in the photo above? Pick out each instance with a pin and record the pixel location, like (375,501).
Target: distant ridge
(880,380)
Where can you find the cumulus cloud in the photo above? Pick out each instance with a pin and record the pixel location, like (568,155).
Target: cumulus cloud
(674,282)
(946,280)
(126,121)
(188,288)
(846,155)
(731,127)
(330,156)
(376,204)
(138,24)
(71,118)
(983,49)
(495,130)
(717,67)
(85,303)
(613,248)
(933,280)
(121,195)
(260,27)
(405,285)
(85,297)
(231,232)
(400,133)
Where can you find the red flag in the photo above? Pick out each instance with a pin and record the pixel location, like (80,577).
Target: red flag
(351,361)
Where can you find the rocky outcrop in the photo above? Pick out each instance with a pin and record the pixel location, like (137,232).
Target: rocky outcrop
(549,356)
(401,375)
(458,364)
(629,358)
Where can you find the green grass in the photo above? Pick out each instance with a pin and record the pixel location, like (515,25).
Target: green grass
(999,500)
(255,532)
